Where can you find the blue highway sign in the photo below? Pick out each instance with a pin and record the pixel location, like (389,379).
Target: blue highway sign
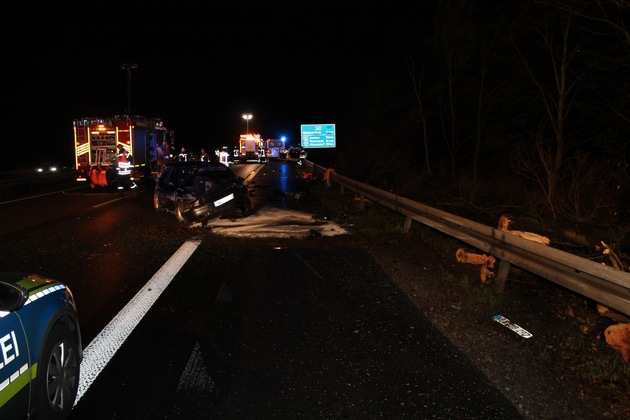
(318,136)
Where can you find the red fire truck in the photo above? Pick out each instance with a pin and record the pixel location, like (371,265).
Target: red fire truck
(96,142)
(251,148)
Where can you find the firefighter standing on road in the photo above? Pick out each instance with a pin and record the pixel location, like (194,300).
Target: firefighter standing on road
(124,165)
(204,156)
(183,156)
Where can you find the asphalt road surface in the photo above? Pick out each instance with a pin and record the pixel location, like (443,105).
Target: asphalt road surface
(244,328)
(256,331)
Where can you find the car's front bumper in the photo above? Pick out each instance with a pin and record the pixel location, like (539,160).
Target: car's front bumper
(212,208)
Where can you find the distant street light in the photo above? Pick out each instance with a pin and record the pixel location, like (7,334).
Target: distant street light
(128,67)
(247,117)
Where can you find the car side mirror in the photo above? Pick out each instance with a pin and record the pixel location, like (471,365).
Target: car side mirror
(12,297)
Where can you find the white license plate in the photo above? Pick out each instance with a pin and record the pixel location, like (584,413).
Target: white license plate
(224,200)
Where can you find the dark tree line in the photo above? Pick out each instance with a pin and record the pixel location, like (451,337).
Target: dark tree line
(526,100)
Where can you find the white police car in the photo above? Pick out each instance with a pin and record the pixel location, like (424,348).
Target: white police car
(40,347)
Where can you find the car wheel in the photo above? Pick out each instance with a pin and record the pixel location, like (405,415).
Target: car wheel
(246,206)
(179,212)
(58,376)
(156,203)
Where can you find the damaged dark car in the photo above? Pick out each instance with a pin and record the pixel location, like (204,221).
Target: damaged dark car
(197,191)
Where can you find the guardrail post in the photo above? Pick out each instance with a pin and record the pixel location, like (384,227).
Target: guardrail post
(407,224)
(504,269)
(361,202)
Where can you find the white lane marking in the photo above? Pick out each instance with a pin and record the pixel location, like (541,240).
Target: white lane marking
(308,265)
(100,351)
(108,202)
(40,195)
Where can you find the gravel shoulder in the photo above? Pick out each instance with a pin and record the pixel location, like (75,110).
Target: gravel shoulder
(558,373)
(512,363)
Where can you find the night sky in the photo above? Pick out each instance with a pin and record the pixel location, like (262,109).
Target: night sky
(201,65)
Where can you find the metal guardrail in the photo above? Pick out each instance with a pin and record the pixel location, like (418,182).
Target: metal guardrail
(604,284)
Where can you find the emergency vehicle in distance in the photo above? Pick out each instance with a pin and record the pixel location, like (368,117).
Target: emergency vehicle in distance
(296,154)
(251,148)
(96,142)
(275,148)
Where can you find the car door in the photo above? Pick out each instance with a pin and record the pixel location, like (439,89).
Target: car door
(167,183)
(15,372)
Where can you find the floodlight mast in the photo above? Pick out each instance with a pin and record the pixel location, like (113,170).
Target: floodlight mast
(247,117)
(128,67)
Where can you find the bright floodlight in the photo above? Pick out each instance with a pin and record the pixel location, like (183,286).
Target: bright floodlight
(247,117)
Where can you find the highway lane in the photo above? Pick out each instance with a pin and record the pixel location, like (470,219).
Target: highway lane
(247,328)
(266,329)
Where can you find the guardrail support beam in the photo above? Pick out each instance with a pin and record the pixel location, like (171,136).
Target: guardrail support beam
(407,224)
(361,202)
(504,269)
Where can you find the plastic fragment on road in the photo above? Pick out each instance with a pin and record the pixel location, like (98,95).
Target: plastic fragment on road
(508,324)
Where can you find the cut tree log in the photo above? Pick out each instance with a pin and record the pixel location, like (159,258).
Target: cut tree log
(485,261)
(505,223)
(618,337)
